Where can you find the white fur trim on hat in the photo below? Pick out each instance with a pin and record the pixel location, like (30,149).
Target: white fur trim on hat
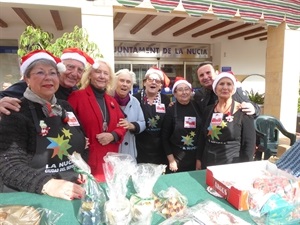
(36,56)
(155,71)
(95,65)
(180,82)
(223,75)
(61,67)
(74,55)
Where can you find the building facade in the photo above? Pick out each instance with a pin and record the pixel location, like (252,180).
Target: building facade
(176,36)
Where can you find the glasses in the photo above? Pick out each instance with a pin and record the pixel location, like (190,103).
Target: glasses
(157,81)
(72,68)
(182,90)
(43,73)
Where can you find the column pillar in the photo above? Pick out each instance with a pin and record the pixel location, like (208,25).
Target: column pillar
(97,19)
(282,75)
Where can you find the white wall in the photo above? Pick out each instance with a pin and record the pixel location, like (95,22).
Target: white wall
(244,57)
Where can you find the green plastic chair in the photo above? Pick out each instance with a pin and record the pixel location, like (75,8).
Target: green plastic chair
(267,130)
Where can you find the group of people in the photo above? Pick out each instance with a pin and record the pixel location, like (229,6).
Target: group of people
(45,117)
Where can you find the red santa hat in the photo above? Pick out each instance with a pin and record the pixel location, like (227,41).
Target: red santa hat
(180,80)
(223,75)
(26,60)
(77,54)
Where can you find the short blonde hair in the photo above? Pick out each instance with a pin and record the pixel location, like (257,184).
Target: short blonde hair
(85,81)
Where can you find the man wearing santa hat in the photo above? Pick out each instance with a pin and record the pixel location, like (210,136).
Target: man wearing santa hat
(205,96)
(74,61)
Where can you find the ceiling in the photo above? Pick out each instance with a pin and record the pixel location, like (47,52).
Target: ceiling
(181,28)
(131,25)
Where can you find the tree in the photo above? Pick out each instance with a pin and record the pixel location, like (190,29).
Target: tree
(36,38)
(33,39)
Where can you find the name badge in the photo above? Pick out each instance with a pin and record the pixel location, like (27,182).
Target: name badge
(189,122)
(73,122)
(216,119)
(160,108)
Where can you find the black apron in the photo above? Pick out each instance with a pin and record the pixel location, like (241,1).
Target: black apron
(185,158)
(55,140)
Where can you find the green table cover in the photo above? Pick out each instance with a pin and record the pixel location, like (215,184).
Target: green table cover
(190,184)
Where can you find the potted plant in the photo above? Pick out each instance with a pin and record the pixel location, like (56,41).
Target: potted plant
(256,97)
(35,38)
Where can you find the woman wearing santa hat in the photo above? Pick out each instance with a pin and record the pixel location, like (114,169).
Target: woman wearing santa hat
(228,134)
(73,65)
(154,104)
(181,128)
(99,114)
(36,141)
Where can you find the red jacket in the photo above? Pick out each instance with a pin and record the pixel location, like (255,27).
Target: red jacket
(88,112)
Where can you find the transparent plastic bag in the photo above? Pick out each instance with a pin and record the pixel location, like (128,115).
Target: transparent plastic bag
(91,211)
(142,203)
(275,199)
(20,215)
(117,212)
(170,202)
(117,169)
(206,212)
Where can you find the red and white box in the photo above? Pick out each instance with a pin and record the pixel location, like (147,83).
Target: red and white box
(233,181)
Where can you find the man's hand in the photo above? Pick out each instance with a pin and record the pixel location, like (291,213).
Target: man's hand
(8,103)
(247,108)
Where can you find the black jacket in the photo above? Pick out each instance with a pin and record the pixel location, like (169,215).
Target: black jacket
(17,90)
(205,97)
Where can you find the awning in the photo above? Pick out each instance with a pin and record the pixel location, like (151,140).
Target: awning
(271,12)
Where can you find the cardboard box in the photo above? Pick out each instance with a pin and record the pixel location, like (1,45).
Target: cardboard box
(232,181)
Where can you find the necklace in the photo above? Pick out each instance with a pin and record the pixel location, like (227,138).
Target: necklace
(104,125)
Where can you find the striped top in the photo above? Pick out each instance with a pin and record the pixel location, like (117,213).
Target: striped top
(290,160)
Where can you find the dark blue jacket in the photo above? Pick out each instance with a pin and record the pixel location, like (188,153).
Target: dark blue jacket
(17,90)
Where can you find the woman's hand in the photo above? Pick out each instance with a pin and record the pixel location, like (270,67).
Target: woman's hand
(105,138)
(127,125)
(63,189)
(172,163)
(87,143)
(173,166)
(198,164)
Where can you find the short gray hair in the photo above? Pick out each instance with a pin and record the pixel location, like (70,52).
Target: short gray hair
(39,61)
(126,71)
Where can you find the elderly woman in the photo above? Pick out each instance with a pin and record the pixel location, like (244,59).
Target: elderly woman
(99,114)
(36,141)
(153,103)
(134,122)
(181,129)
(228,134)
